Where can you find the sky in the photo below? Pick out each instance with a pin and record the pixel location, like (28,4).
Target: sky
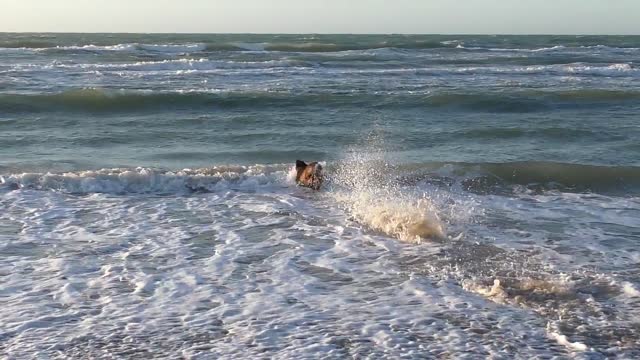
(324,16)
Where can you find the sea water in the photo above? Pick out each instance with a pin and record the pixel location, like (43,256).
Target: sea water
(482,196)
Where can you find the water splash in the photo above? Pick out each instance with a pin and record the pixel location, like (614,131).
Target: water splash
(364,184)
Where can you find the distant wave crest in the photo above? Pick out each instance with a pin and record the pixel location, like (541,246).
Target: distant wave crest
(305,45)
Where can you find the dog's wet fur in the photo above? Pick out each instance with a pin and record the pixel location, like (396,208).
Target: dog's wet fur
(309,175)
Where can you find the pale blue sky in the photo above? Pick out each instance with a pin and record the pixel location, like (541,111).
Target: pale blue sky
(324,16)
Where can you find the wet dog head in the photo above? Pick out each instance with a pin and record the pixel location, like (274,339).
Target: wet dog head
(309,175)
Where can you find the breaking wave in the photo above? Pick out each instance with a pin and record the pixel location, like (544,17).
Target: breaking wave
(102,100)
(165,48)
(231,46)
(302,64)
(186,64)
(147,180)
(359,176)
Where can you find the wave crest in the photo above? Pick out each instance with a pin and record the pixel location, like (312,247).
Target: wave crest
(536,175)
(104,100)
(147,180)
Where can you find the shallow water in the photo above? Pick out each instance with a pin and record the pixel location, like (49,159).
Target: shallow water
(482,196)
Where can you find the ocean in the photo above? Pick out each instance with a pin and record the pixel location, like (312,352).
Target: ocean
(482,196)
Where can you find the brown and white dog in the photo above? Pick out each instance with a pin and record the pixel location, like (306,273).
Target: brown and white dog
(309,175)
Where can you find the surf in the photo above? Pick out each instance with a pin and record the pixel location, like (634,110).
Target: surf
(144,180)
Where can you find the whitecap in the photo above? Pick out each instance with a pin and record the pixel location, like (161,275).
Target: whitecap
(147,180)
(173,48)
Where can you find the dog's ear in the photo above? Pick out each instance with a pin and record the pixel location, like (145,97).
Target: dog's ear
(300,164)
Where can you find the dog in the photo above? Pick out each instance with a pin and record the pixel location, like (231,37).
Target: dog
(309,175)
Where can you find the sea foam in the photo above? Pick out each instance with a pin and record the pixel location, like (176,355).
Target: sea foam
(148,180)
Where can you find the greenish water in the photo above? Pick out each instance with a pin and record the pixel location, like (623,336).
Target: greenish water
(195,100)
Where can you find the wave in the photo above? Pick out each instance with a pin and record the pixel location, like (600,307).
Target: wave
(553,175)
(384,198)
(332,47)
(611,70)
(184,64)
(534,50)
(531,101)
(610,48)
(406,220)
(125,47)
(322,43)
(91,47)
(364,175)
(526,101)
(173,48)
(102,100)
(618,69)
(231,46)
(147,180)
(208,65)
(165,48)
(297,47)
(550,133)
(542,49)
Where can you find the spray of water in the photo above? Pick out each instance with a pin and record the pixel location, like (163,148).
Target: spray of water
(364,184)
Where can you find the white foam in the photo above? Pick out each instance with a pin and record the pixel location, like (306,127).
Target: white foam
(542,49)
(621,70)
(173,48)
(143,180)
(165,48)
(564,341)
(249,273)
(494,292)
(630,290)
(91,47)
(577,68)
(172,65)
(552,48)
(411,220)
(609,70)
(620,67)
(231,67)
(611,48)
